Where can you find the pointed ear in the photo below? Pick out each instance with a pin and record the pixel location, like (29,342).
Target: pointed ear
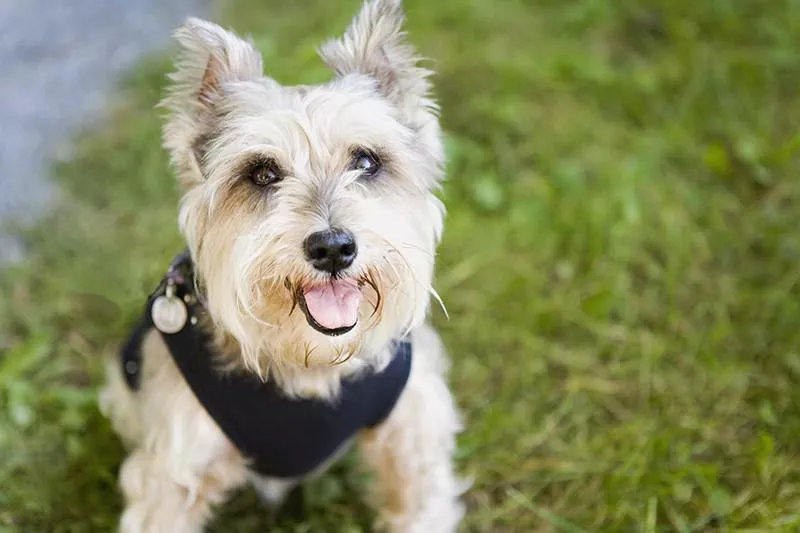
(209,57)
(375,45)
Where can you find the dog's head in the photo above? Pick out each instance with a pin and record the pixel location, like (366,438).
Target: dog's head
(309,211)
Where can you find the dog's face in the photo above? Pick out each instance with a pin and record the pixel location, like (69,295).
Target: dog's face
(309,211)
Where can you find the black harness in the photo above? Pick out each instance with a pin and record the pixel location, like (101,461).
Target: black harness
(283,437)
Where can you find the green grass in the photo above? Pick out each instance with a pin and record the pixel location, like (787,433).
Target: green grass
(621,265)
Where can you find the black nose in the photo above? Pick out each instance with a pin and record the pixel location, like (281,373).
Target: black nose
(330,250)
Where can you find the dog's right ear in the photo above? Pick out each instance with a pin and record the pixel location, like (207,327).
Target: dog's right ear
(209,58)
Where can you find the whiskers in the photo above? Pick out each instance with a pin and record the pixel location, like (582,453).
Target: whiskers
(417,248)
(436,296)
(308,351)
(369,279)
(253,292)
(440,302)
(295,294)
(407,267)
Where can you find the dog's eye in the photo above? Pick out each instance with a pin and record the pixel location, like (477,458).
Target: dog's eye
(366,162)
(265,173)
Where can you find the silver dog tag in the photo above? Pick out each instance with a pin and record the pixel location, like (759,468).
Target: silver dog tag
(169,314)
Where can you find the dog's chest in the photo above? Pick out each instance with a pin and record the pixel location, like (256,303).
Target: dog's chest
(289,437)
(283,437)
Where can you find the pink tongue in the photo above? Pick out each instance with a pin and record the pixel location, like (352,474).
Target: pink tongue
(335,304)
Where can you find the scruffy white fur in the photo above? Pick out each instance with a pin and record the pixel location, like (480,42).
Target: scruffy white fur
(247,248)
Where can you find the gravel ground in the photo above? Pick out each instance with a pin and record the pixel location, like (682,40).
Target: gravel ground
(60,60)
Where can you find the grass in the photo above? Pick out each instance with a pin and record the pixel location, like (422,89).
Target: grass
(621,265)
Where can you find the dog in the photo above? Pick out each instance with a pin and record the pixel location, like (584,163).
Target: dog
(295,324)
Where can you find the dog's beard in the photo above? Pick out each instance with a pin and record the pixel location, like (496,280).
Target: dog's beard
(283,318)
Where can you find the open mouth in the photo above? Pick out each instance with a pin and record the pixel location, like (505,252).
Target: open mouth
(331,307)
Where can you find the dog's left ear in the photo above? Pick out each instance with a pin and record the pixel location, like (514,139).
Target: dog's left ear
(375,45)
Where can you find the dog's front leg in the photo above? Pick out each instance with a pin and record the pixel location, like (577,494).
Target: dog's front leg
(159,499)
(181,464)
(411,453)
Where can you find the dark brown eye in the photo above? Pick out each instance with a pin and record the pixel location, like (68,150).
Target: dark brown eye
(265,173)
(365,162)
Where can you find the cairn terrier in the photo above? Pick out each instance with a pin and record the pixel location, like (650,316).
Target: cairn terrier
(295,323)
